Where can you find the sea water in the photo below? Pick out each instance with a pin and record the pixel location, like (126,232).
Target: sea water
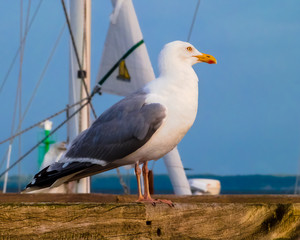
(241,184)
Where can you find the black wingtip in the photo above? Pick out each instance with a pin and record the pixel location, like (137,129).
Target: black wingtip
(49,175)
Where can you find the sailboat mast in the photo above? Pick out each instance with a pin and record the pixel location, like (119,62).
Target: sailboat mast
(80,21)
(7,166)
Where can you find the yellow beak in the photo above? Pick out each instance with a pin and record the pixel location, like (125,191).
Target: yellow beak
(206,58)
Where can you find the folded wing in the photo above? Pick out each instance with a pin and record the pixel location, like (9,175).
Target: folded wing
(118,132)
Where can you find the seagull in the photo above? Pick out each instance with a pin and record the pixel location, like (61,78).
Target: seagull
(143,126)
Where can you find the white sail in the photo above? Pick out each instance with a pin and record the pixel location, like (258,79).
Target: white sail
(124,34)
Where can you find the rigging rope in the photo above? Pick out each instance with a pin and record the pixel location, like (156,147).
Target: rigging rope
(77,56)
(35,89)
(88,98)
(18,50)
(194,19)
(3,159)
(43,72)
(123,184)
(22,44)
(15,109)
(40,142)
(114,67)
(22,117)
(19,88)
(18,93)
(40,122)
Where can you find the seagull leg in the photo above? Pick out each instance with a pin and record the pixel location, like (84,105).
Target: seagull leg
(138,173)
(146,182)
(147,197)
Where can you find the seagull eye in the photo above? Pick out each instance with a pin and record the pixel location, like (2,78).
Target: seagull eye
(189,49)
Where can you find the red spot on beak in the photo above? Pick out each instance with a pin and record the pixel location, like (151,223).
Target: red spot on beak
(211,62)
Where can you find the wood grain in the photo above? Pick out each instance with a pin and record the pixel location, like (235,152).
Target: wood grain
(98,216)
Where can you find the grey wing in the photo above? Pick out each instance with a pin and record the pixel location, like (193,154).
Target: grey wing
(119,131)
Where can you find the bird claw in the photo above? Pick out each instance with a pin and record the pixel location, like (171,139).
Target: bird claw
(155,201)
(170,203)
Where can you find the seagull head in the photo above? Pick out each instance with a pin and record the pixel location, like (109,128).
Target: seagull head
(182,53)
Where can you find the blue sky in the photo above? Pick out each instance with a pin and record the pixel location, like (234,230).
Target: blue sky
(248,118)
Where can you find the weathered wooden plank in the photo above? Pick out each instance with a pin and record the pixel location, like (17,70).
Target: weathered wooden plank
(105,198)
(96,216)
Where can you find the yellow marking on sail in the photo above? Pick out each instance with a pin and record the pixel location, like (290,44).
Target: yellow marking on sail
(123,72)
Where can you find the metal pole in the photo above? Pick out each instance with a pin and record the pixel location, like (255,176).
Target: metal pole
(7,166)
(80,20)
(176,173)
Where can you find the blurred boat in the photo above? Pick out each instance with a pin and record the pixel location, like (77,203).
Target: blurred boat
(204,186)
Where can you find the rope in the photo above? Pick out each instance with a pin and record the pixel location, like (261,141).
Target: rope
(102,80)
(18,50)
(40,142)
(22,44)
(3,159)
(20,99)
(123,184)
(28,14)
(15,109)
(43,72)
(18,96)
(88,98)
(40,122)
(194,19)
(35,89)
(19,89)
(77,56)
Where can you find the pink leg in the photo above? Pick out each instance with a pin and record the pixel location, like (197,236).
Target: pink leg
(138,178)
(147,197)
(146,181)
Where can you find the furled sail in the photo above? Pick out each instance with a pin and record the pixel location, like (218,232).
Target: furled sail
(125,65)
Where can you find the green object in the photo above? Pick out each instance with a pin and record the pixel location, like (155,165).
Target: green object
(44,148)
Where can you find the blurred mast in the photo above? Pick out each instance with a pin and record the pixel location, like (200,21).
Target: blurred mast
(7,165)
(80,21)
